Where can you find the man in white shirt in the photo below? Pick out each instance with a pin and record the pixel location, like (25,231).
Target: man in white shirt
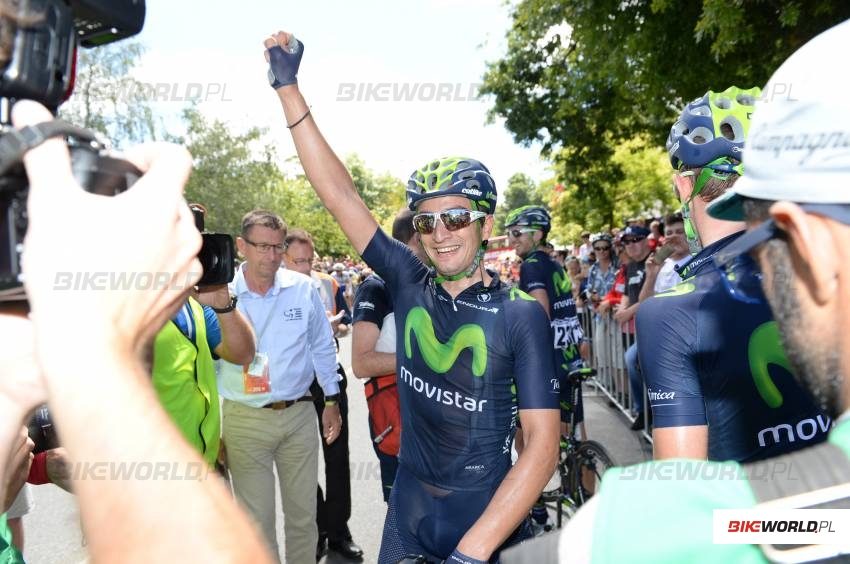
(268,415)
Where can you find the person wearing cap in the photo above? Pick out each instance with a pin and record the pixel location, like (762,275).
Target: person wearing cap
(472,353)
(719,383)
(635,239)
(797,212)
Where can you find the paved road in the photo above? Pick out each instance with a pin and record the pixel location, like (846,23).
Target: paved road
(53,528)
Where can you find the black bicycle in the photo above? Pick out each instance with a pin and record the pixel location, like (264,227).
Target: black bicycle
(581,464)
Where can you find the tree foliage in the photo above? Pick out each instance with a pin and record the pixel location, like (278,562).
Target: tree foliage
(583,77)
(521,191)
(108,99)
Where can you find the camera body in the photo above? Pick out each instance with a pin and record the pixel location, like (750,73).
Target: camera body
(40,67)
(217,256)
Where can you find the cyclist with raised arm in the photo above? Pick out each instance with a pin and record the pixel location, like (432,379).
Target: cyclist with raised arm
(717,377)
(472,353)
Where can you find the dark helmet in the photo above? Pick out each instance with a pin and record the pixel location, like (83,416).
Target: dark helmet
(453,176)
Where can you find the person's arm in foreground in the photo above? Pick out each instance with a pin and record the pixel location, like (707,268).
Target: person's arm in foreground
(237,338)
(324,170)
(521,486)
(365,360)
(99,392)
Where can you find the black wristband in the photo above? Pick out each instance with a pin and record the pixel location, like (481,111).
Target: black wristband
(228,308)
(299,120)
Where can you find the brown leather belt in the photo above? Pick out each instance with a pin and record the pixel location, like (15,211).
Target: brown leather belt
(287,403)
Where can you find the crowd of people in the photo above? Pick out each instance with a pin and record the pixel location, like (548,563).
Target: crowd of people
(733,315)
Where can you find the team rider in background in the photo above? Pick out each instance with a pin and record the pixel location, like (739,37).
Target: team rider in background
(472,352)
(719,383)
(545,280)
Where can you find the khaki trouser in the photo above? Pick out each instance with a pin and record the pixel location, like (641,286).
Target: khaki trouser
(256,438)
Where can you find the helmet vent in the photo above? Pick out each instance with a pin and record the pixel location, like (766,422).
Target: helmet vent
(746,100)
(732,129)
(701,111)
(723,103)
(432,180)
(701,135)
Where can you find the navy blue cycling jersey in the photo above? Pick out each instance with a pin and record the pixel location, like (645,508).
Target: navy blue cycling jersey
(710,359)
(465,365)
(539,271)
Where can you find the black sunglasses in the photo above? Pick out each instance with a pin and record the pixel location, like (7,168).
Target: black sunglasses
(605,248)
(633,240)
(453,220)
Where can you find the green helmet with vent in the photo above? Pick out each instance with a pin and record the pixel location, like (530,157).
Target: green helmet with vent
(453,176)
(534,217)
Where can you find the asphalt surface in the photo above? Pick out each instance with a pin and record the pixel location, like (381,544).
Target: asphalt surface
(53,534)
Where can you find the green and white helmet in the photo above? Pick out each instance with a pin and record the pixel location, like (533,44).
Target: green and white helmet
(453,176)
(534,217)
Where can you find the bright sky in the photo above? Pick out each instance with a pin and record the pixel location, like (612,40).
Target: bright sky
(218,44)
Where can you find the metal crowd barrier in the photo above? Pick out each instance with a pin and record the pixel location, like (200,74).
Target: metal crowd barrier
(608,343)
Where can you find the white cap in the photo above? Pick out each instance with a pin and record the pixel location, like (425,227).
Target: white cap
(798,148)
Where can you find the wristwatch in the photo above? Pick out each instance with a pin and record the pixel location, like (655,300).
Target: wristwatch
(332,399)
(227,308)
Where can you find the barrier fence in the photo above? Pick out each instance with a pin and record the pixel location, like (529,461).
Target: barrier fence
(609,341)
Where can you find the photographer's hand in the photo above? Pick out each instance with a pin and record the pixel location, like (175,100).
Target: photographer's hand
(89,344)
(145,235)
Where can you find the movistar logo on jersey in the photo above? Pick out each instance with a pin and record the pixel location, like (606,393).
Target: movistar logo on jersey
(562,282)
(440,357)
(764,349)
(516,293)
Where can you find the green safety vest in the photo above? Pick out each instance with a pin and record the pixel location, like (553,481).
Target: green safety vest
(185,382)
(8,553)
(674,516)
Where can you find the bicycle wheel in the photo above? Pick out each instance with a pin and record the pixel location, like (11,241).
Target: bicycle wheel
(588,464)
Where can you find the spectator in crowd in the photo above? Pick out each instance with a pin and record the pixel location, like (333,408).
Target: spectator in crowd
(105,417)
(333,507)
(268,414)
(373,356)
(585,247)
(637,247)
(699,344)
(662,276)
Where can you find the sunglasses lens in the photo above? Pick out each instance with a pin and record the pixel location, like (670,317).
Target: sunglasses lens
(424,223)
(456,219)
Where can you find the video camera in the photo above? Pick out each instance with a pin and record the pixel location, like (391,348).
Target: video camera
(40,45)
